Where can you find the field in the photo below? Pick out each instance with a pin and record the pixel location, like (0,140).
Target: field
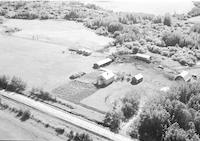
(66,33)
(43,64)
(12,129)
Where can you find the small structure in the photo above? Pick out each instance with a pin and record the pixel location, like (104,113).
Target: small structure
(105,78)
(85,52)
(137,79)
(165,89)
(183,76)
(77,75)
(102,63)
(143,57)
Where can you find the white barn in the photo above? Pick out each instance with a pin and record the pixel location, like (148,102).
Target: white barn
(102,63)
(143,57)
(183,76)
(137,79)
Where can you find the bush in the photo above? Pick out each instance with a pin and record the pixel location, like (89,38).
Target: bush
(196,28)
(4,80)
(172,38)
(72,15)
(157,19)
(43,95)
(194,102)
(82,137)
(112,121)
(129,107)
(60,131)
(185,57)
(16,85)
(114,26)
(78,137)
(167,20)
(25,115)
(152,124)
(175,133)
(194,12)
(197,122)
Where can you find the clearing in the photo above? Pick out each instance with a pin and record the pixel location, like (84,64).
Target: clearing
(45,64)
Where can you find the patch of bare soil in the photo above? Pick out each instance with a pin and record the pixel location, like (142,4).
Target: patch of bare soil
(75,91)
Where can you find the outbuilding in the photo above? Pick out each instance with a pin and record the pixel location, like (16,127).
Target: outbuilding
(183,76)
(137,79)
(105,78)
(144,57)
(85,52)
(102,63)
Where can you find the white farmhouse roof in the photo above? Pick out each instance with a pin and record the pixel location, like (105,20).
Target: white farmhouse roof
(143,56)
(107,75)
(102,62)
(86,50)
(184,73)
(138,76)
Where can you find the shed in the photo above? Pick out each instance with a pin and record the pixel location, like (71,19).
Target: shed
(143,57)
(137,79)
(183,76)
(105,78)
(102,63)
(165,89)
(85,52)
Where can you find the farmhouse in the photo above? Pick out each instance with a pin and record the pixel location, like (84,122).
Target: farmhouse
(183,76)
(105,78)
(143,57)
(102,63)
(137,79)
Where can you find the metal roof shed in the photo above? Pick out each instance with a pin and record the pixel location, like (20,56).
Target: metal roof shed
(102,63)
(137,79)
(183,76)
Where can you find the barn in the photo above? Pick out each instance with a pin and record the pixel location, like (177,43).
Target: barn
(105,78)
(137,79)
(183,76)
(143,57)
(102,63)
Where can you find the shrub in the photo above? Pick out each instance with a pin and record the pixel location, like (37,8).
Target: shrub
(185,57)
(172,38)
(157,19)
(129,107)
(72,15)
(167,20)
(114,26)
(194,12)
(102,31)
(194,102)
(112,121)
(175,133)
(4,80)
(60,131)
(196,28)
(152,124)
(82,137)
(16,85)
(25,115)
(43,95)
(19,114)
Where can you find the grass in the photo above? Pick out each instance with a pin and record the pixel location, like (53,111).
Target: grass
(54,69)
